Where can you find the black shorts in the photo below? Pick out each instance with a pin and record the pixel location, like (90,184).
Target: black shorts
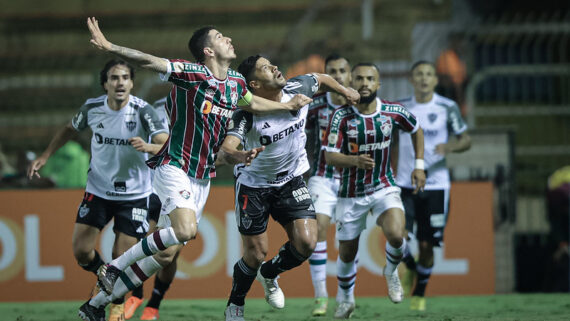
(429,210)
(154,206)
(130,216)
(285,204)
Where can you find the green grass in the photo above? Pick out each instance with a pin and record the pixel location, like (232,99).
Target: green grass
(496,307)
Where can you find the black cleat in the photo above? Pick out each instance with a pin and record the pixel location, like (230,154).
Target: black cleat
(107,277)
(90,313)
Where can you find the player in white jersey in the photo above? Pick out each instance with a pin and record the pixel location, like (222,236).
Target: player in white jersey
(439,117)
(273,183)
(324,181)
(165,276)
(118,181)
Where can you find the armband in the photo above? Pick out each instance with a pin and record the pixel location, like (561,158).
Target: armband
(246,100)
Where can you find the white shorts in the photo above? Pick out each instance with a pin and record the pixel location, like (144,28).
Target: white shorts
(324,193)
(176,190)
(351,212)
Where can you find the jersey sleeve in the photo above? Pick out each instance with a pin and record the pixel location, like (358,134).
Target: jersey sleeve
(183,73)
(455,122)
(160,109)
(79,121)
(240,124)
(307,85)
(151,122)
(403,118)
(333,139)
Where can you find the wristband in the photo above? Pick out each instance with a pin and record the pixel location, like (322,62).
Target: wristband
(420,164)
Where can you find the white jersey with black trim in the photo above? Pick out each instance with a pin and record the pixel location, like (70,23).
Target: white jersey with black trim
(438,118)
(282,134)
(117,171)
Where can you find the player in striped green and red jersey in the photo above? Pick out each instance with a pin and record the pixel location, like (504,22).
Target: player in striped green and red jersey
(358,144)
(204,96)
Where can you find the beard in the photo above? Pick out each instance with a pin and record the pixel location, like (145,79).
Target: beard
(367,99)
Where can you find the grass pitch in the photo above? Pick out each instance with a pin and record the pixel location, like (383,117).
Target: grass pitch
(511,307)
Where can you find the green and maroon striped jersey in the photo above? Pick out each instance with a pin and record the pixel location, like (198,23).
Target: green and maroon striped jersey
(353,133)
(320,111)
(200,107)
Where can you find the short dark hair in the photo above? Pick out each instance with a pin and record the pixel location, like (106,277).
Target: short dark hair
(366,64)
(247,66)
(198,42)
(421,62)
(110,64)
(334,56)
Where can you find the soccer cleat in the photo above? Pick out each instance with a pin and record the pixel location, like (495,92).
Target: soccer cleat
(149,314)
(418,303)
(408,281)
(273,294)
(234,312)
(320,307)
(91,313)
(107,277)
(117,312)
(344,310)
(131,306)
(395,290)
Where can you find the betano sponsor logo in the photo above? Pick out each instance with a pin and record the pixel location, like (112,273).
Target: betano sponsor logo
(355,148)
(208,107)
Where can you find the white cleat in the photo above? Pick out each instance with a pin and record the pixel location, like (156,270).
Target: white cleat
(344,310)
(234,312)
(395,290)
(273,294)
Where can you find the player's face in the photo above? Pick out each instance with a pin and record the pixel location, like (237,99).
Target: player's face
(269,75)
(221,45)
(339,70)
(424,79)
(119,83)
(365,80)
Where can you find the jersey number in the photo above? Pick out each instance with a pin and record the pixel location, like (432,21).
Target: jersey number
(244,201)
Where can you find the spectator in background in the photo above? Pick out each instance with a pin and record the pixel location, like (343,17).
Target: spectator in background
(68,166)
(558,204)
(452,73)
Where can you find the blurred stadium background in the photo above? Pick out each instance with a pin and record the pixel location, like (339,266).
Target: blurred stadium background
(515,91)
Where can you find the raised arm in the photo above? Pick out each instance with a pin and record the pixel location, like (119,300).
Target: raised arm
(327,83)
(61,137)
(256,104)
(138,58)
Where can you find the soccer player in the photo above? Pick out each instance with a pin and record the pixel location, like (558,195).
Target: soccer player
(204,97)
(324,181)
(273,183)
(118,183)
(358,144)
(439,117)
(164,276)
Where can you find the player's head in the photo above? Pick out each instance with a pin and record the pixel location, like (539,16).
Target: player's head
(423,77)
(209,43)
(259,73)
(116,78)
(366,80)
(338,67)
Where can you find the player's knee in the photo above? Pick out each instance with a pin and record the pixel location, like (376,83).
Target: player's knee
(306,246)
(186,232)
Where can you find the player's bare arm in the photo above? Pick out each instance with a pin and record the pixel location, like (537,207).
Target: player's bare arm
(259,104)
(327,83)
(460,145)
(136,57)
(418,174)
(340,160)
(230,153)
(153,148)
(61,137)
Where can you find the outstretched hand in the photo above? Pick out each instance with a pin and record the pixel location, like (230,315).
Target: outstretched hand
(298,101)
(97,37)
